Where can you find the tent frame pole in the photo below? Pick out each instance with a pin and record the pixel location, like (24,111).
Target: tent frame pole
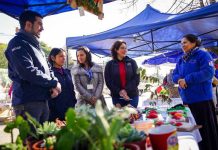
(152,40)
(67,57)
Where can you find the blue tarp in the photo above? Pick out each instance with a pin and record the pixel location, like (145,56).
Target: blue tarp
(14,8)
(152,31)
(169,57)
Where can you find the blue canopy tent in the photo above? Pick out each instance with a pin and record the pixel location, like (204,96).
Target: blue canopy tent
(169,57)
(153,31)
(14,8)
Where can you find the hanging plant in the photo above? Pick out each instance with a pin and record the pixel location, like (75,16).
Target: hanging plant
(92,6)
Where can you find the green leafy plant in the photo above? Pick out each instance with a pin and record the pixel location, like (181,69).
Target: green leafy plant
(24,129)
(47,129)
(21,124)
(18,145)
(90,4)
(98,128)
(129,134)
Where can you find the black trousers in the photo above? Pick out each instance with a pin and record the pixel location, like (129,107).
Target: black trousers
(204,114)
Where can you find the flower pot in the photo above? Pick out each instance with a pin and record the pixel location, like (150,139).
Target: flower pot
(138,145)
(29,142)
(40,146)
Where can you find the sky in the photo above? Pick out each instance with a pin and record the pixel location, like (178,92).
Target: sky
(71,24)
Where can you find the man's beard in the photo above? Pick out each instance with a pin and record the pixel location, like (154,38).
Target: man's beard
(34,33)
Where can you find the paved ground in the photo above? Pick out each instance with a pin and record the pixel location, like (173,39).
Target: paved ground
(5,137)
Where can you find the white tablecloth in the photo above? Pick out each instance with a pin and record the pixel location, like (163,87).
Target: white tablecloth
(187,140)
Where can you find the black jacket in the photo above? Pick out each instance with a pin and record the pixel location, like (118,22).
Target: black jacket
(112,77)
(66,99)
(28,69)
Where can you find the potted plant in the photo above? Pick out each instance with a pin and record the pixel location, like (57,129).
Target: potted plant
(23,127)
(96,129)
(92,6)
(130,138)
(47,133)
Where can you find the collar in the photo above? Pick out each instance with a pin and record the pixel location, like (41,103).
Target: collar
(59,70)
(125,59)
(28,37)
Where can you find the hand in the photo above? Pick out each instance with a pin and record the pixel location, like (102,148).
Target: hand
(182,83)
(118,105)
(123,94)
(54,93)
(93,100)
(58,87)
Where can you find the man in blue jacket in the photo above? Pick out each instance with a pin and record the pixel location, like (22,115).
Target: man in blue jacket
(33,80)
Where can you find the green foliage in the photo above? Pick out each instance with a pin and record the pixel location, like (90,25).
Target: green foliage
(129,134)
(20,124)
(50,141)
(74,132)
(18,145)
(45,48)
(91,5)
(3,60)
(47,129)
(98,128)
(145,78)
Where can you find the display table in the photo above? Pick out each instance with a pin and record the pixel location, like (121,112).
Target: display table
(187,140)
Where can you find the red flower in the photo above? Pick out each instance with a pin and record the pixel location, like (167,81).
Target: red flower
(158,90)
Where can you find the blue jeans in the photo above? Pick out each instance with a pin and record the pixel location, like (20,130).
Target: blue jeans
(122,102)
(38,110)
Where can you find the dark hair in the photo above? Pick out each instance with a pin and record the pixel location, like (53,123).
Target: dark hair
(115,47)
(86,50)
(193,39)
(54,52)
(28,16)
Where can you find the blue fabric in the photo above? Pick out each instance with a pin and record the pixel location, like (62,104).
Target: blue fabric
(169,57)
(216,73)
(134,101)
(198,72)
(89,73)
(28,69)
(59,105)
(38,110)
(167,29)
(45,7)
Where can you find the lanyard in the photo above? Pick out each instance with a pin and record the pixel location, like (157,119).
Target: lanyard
(89,73)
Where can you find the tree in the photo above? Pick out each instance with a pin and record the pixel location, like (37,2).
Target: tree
(45,48)
(212,1)
(180,6)
(3,60)
(201,2)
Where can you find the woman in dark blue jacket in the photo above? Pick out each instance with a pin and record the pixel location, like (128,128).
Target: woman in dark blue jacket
(59,105)
(194,73)
(121,76)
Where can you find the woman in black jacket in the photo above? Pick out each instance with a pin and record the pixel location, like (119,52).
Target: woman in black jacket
(121,76)
(66,99)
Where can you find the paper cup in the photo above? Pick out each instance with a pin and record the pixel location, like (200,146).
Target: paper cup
(164,138)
